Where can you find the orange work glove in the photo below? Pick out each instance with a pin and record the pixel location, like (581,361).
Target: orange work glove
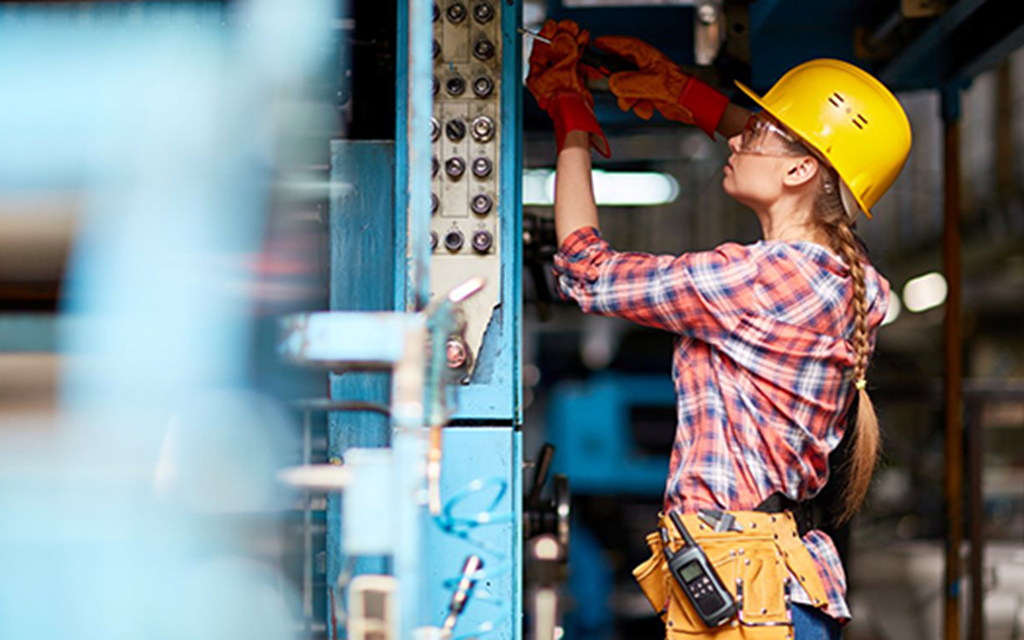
(661,84)
(556,83)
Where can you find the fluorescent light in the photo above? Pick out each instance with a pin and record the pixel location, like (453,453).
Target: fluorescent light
(925,292)
(535,187)
(611,188)
(893,312)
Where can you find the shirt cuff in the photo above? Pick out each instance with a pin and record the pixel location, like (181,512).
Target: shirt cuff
(576,264)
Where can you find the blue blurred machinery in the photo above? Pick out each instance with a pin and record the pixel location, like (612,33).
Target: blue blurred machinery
(617,452)
(613,434)
(410,221)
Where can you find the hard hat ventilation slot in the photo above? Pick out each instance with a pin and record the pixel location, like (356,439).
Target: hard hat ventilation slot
(858,125)
(835,99)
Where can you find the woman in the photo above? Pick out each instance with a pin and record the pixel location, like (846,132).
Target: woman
(774,337)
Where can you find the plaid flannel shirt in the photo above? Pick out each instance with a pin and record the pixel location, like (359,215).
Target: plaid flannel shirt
(761,365)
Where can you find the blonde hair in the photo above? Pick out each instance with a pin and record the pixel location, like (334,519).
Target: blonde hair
(831,215)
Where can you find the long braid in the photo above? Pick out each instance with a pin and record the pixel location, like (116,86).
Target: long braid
(832,216)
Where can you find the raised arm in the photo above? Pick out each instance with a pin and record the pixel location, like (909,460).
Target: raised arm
(574,191)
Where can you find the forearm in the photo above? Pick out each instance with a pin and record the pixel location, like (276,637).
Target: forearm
(574,193)
(733,120)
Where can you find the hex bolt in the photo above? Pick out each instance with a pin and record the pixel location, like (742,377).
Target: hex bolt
(483,86)
(483,12)
(456,12)
(435,203)
(482,129)
(455,167)
(455,129)
(437,49)
(483,49)
(435,166)
(435,129)
(433,240)
(453,240)
(455,353)
(482,241)
(481,204)
(436,13)
(436,86)
(455,86)
(482,167)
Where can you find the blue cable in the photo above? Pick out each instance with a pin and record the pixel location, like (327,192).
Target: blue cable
(462,527)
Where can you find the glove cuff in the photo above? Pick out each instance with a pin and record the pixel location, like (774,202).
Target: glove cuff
(570,112)
(706,104)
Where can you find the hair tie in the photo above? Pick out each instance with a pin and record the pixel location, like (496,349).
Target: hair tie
(861,384)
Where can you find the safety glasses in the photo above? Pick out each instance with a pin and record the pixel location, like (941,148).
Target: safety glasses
(762,136)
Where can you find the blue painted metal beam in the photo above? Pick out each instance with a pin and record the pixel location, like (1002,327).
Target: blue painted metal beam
(925,45)
(993,55)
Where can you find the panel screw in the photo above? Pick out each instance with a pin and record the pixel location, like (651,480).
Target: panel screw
(455,130)
(482,129)
(482,241)
(482,167)
(481,204)
(483,50)
(455,86)
(483,12)
(455,167)
(456,12)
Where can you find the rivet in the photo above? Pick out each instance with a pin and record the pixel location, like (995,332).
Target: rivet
(776,536)
(741,552)
(773,518)
(764,611)
(747,562)
(794,534)
(732,554)
(701,527)
(817,601)
(803,579)
(670,623)
(753,525)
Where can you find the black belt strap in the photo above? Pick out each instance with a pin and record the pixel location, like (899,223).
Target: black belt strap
(803,512)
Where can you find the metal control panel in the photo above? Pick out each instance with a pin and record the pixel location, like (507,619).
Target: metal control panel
(466,184)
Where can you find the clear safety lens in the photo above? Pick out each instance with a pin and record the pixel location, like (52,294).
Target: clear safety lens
(761,136)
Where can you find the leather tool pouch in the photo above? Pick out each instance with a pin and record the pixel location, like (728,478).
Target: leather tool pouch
(755,568)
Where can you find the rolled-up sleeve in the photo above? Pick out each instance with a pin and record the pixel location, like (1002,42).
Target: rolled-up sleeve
(702,294)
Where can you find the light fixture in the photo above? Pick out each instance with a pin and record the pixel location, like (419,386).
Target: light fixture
(925,292)
(611,188)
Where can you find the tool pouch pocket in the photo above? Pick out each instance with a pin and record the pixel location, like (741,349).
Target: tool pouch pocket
(652,576)
(751,568)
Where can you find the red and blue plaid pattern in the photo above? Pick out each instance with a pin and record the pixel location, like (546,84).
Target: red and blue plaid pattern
(761,366)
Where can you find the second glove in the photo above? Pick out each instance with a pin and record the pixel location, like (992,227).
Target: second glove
(661,84)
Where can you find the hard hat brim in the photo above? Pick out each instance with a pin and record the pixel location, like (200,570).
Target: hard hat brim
(803,138)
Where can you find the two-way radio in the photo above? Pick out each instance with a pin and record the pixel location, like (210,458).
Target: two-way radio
(698,579)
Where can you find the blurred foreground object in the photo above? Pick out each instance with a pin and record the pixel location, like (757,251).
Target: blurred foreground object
(155,129)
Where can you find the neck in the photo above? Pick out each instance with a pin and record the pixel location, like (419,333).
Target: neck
(786,223)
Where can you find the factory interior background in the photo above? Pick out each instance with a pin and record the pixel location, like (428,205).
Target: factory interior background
(278,360)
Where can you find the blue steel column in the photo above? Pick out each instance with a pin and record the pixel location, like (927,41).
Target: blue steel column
(362,240)
(412,138)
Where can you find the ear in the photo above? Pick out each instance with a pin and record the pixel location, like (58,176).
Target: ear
(800,171)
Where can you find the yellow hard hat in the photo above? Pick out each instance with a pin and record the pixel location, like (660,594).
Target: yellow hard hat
(848,117)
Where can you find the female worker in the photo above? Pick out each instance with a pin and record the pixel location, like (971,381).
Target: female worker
(774,337)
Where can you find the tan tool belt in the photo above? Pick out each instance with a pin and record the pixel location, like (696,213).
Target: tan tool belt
(755,566)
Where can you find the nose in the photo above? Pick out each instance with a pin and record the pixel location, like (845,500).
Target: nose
(734,143)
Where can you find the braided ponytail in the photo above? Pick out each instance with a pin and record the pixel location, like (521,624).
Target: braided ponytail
(865,439)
